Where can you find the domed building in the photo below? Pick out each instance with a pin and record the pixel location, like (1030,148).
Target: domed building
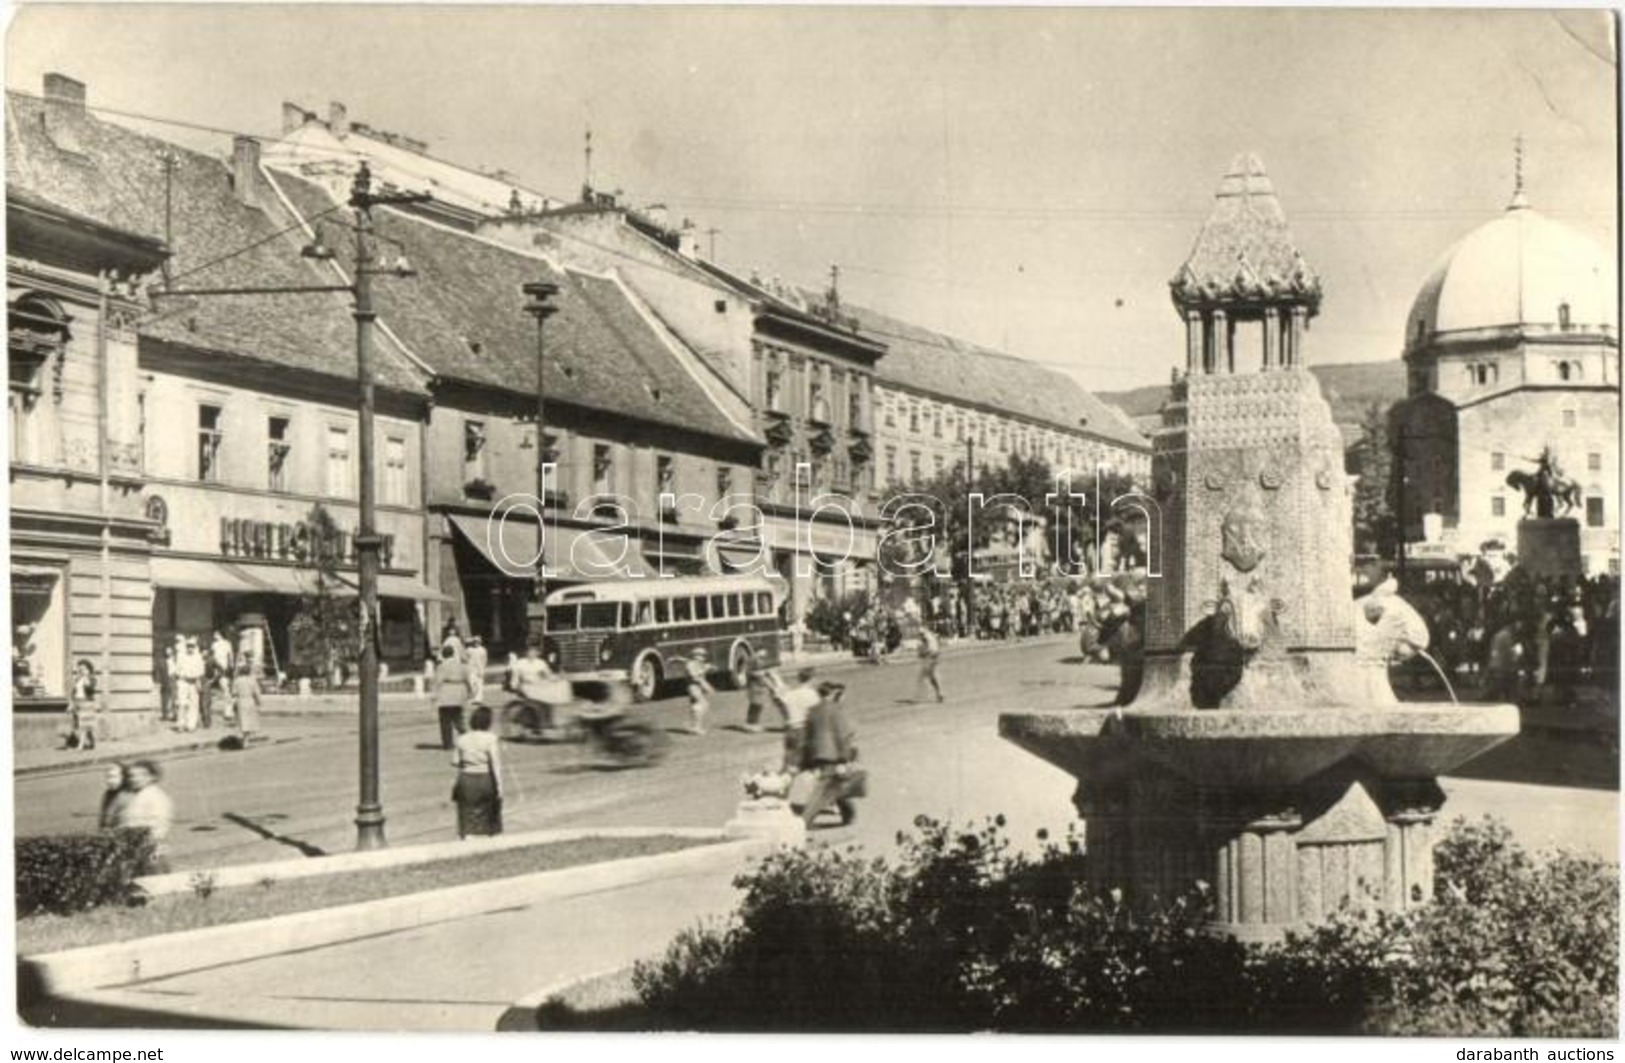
(1511,346)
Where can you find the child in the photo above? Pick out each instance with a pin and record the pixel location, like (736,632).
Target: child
(698,688)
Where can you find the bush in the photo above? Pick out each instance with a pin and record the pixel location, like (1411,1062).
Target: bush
(959,933)
(70,873)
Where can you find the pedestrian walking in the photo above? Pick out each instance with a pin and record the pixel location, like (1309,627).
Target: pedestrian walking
(828,758)
(222,670)
(477,792)
(115,794)
(148,808)
(794,703)
(449,636)
(81,704)
(756,689)
(188,683)
(245,698)
(478,657)
(930,655)
(697,666)
(451,690)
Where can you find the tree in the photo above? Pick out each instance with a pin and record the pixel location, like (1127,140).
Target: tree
(1033,482)
(1376,529)
(324,636)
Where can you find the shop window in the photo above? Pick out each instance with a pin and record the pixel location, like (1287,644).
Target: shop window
(338,462)
(396,489)
(1594,512)
(38,635)
(474,466)
(278,447)
(208,443)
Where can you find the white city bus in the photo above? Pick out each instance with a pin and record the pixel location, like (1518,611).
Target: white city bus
(642,630)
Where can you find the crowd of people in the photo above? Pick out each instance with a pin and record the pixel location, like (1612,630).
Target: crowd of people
(202,681)
(1523,639)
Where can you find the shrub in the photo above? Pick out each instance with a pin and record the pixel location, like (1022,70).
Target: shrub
(959,932)
(73,872)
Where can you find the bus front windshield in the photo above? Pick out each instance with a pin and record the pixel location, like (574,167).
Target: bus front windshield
(584,616)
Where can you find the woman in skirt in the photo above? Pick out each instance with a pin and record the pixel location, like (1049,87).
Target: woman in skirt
(478,790)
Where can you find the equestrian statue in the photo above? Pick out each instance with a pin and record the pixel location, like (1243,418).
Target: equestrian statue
(1545,487)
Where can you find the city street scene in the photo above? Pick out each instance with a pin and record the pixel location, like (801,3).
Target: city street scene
(797,520)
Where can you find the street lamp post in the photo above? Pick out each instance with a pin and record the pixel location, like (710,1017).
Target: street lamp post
(540,294)
(369,821)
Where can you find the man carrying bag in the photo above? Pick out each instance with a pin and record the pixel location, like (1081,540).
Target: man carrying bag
(828,755)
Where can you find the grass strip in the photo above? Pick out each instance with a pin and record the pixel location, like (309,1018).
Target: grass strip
(206,906)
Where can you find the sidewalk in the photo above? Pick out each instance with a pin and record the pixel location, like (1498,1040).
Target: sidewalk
(160,743)
(483,962)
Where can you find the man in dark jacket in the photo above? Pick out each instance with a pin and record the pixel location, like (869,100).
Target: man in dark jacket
(827,754)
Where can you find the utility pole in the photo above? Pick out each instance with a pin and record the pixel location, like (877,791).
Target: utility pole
(369,819)
(970,540)
(540,294)
(369,813)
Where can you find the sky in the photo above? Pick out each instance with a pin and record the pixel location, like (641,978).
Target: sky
(1028,179)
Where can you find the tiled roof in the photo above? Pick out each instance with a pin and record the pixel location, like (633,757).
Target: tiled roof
(958,371)
(114,176)
(1245,252)
(464,316)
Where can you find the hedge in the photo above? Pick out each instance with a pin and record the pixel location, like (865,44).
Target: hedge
(960,933)
(69,873)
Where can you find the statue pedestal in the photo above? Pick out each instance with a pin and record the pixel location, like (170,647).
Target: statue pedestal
(1286,815)
(1549,546)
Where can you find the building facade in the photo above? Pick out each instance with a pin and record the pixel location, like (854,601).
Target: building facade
(1512,347)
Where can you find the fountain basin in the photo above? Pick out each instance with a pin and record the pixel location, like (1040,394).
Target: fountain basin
(1287,814)
(1263,749)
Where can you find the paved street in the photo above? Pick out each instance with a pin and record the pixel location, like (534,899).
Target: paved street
(297,798)
(942,760)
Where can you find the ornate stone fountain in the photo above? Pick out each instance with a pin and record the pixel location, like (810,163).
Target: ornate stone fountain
(1266,753)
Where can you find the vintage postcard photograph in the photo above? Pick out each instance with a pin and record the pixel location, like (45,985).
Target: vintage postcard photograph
(808,520)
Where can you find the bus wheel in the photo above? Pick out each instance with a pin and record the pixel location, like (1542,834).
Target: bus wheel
(738,665)
(645,678)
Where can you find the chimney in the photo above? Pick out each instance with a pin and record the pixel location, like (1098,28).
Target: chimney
(294,116)
(245,170)
(338,119)
(64,112)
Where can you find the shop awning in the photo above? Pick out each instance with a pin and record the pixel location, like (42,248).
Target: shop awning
(194,574)
(278,579)
(409,588)
(569,553)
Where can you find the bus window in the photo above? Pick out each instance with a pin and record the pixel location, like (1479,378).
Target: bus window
(562,617)
(701,612)
(750,604)
(645,614)
(599,616)
(764,603)
(663,611)
(682,609)
(626,615)
(733,605)
(718,610)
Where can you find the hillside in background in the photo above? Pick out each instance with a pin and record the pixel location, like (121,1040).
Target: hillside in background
(1350,389)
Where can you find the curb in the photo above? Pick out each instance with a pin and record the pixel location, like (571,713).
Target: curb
(126,962)
(114,755)
(430,852)
(520,1017)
